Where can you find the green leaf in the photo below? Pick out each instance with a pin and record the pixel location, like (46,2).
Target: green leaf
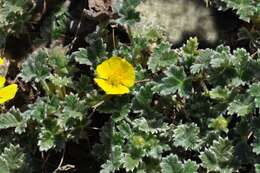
(127,11)
(140,171)
(175,81)
(162,57)
(3,166)
(51,136)
(91,55)
(60,81)
(257,168)
(107,167)
(219,93)
(157,149)
(68,118)
(191,47)
(124,111)
(35,67)
(117,156)
(241,57)
(171,164)
(82,56)
(84,85)
(236,82)
(58,60)
(190,167)
(143,99)
(209,161)
(221,57)
(37,111)
(124,129)
(115,162)
(60,24)
(74,102)
(13,119)
(245,8)
(202,61)
(46,140)
(218,157)
(142,125)
(12,159)
(240,108)
(254,91)
(197,68)
(15,15)
(8,120)
(187,136)
(130,163)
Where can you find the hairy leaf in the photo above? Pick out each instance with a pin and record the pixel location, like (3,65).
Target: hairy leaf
(172,164)
(175,81)
(126,9)
(162,57)
(218,157)
(130,163)
(254,91)
(35,67)
(240,108)
(12,159)
(187,136)
(82,57)
(257,168)
(245,8)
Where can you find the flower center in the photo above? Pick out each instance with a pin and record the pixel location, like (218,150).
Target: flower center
(114,79)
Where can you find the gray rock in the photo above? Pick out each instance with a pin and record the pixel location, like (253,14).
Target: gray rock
(179,18)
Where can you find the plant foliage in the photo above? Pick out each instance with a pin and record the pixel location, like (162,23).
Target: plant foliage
(190,109)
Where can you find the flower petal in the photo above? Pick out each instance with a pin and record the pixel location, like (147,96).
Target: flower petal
(2,61)
(111,89)
(122,68)
(8,93)
(115,75)
(128,74)
(104,70)
(2,81)
(115,62)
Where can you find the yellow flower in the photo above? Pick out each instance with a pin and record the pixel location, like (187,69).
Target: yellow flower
(2,61)
(8,92)
(115,75)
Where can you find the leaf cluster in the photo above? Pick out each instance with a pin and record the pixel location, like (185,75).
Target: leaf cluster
(247,10)
(190,110)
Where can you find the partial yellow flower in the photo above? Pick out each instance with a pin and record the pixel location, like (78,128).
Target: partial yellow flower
(2,61)
(7,93)
(115,75)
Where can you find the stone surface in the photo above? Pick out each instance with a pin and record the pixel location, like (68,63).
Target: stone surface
(180,18)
